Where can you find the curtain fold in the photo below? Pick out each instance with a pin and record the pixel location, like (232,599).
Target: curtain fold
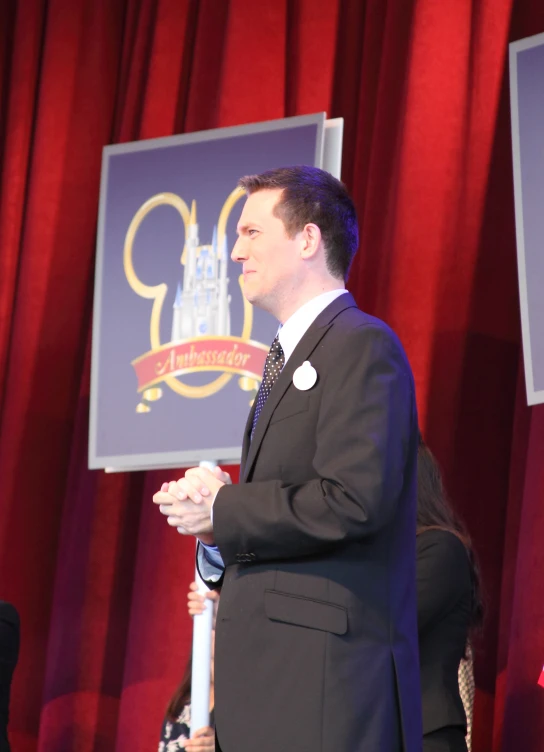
(99,579)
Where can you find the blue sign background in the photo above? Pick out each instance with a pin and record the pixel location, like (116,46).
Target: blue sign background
(527,87)
(207,171)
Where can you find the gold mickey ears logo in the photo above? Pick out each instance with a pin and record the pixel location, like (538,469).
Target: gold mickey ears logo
(223,353)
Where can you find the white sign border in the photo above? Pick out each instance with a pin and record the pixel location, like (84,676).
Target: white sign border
(534,396)
(327,155)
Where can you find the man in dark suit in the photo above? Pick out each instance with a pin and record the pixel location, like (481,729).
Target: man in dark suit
(9,653)
(316,638)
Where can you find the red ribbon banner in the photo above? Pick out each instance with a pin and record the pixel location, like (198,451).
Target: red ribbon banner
(223,354)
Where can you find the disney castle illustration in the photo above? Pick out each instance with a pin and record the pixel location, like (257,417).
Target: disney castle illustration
(202,306)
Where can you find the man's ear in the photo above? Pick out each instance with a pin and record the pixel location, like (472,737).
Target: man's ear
(311,241)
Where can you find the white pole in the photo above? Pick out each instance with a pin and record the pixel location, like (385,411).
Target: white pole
(332,147)
(202,648)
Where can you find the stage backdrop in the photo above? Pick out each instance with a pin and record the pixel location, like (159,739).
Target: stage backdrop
(98,578)
(527,105)
(174,340)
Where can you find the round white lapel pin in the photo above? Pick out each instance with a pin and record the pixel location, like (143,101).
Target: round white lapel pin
(305,376)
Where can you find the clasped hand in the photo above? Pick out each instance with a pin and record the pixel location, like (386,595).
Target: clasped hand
(187,502)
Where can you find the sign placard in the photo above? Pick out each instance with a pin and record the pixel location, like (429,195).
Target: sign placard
(527,107)
(177,352)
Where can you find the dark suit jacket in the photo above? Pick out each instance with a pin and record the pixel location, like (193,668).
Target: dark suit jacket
(9,652)
(316,637)
(444,590)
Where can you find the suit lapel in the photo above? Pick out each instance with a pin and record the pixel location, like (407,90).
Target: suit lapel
(247,437)
(302,352)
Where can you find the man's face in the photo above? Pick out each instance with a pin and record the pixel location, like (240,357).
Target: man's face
(271,260)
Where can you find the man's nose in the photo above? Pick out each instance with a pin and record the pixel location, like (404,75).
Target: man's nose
(238,253)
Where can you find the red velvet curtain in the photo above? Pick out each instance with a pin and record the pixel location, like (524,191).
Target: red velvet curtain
(98,578)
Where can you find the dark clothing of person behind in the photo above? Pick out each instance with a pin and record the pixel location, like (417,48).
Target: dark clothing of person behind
(9,653)
(450,739)
(444,612)
(174,734)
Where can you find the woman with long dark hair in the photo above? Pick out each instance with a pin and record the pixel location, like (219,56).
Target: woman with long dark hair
(175,732)
(450,608)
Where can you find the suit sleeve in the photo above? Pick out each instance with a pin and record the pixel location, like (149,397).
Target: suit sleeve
(443,575)
(366,427)
(210,569)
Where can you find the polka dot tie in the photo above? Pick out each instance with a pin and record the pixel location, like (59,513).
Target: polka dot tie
(275,360)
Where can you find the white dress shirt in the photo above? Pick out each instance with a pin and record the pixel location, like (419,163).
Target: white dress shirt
(289,336)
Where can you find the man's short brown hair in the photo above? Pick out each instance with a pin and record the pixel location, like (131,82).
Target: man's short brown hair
(311,195)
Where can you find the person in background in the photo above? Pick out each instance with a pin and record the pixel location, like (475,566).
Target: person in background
(467,690)
(450,608)
(175,730)
(195,600)
(9,654)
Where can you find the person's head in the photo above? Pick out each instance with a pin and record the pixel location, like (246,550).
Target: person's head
(182,693)
(434,512)
(297,237)
(433,507)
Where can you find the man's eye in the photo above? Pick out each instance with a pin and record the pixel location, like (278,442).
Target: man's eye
(251,233)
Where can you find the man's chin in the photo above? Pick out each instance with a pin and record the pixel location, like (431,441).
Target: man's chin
(256,298)
(250,295)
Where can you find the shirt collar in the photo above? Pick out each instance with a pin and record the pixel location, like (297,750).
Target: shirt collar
(298,324)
